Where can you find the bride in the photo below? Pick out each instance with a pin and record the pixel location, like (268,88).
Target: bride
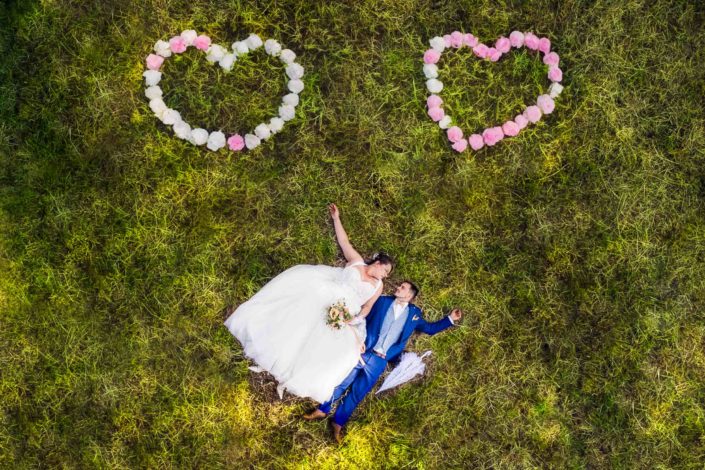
(283,327)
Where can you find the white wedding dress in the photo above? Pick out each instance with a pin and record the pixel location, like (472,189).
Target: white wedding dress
(283,329)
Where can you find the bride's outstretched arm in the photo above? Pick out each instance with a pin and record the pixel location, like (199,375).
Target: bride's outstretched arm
(348,251)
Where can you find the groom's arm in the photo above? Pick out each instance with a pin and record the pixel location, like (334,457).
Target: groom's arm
(440,325)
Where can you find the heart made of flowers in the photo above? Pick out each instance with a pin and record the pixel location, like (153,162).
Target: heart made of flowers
(218,54)
(491,135)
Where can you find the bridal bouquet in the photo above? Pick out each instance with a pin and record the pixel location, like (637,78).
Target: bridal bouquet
(338,315)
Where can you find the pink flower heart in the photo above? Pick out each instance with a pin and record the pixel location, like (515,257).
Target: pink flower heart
(492,135)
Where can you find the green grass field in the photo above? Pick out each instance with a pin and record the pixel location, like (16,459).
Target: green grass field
(577,249)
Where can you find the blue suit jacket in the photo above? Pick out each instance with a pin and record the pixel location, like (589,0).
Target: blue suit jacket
(414,322)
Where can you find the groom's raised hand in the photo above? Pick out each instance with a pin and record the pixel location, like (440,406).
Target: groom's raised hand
(456,314)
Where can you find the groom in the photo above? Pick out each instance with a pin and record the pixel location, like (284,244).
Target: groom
(390,324)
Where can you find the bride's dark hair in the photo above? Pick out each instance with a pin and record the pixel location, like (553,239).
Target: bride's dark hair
(382,257)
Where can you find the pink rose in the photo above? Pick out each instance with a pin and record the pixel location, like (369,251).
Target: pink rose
(460,145)
(177,44)
(521,121)
(480,50)
(455,134)
(492,135)
(545,45)
(154,61)
(236,142)
(202,42)
(436,113)
(493,54)
(516,38)
(551,59)
(510,128)
(531,41)
(555,74)
(470,40)
(545,104)
(503,45)
(476,141)
(532,114)
(434,101)
(456,39)
(431,56)
(446,39)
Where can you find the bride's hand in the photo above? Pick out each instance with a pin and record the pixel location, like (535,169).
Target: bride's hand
(334,212)
(362,348)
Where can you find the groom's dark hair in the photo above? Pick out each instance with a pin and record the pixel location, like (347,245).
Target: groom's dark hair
(414,288)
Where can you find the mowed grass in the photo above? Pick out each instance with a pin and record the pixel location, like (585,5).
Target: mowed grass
(577,249)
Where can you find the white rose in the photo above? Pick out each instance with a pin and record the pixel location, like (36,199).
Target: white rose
(171,116)
(262,131)
(276,124)
(199,136)
(152,77)
(438,44)
(287,56)
(227,61)
(294,71)
(240,47)
(555,89)
(272,47)
(251,141)
(158,107)
(182,130)
(215,53)
(444,123)
(162,48)
(292,99)
(253,42)
(296,86)
(430,70)
(216,141)
(286,112)
(434,85)
(189,36)
(153,92)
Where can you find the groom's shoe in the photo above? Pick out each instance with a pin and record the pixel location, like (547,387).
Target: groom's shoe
(337,430)
(314,415)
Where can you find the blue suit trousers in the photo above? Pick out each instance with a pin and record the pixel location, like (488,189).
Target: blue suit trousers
(360,381)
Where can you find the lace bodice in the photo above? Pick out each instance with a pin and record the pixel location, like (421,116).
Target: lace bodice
(359,291)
